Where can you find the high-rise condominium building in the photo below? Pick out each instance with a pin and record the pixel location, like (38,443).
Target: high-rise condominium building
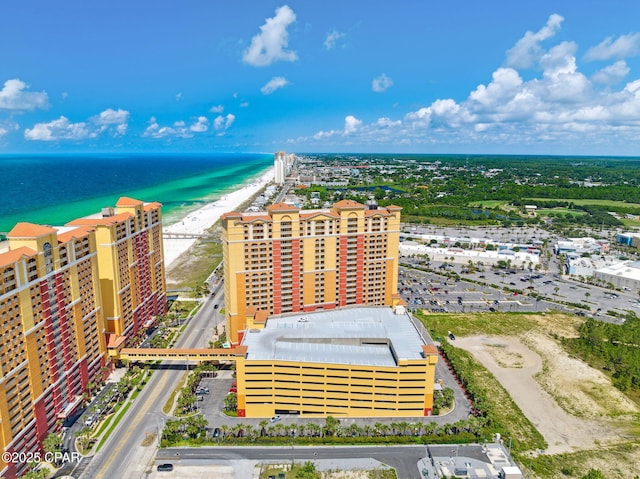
(131,265)
(280,167)
(67,295)
(290,260)
(53,341)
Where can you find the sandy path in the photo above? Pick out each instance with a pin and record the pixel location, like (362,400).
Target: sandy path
(515,365)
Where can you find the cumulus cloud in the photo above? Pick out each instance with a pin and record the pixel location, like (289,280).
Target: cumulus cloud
(351,124)
(528,50)
(611,73)
(270,44)
(14,97)
(179,129)
(216,109)
(60,129)
(111,121)
(624,46)
(201,125)
(332,39)
(224,122)
(560,105)
(381,83)
(274,84)
(116,120)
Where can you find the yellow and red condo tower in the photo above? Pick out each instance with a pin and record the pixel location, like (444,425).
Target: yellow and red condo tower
(66,295)
(53,332)
(131,266)
(287,260)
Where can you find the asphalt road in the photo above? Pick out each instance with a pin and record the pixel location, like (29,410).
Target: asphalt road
(122,454)
(403,458)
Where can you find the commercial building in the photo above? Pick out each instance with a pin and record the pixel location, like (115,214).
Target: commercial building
(287,260)
(67,295)
(131,265)
(622,275)
(353,362)
(489,461)
(53,333)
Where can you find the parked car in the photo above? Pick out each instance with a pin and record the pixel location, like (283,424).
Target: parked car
(165,467)
(275,419)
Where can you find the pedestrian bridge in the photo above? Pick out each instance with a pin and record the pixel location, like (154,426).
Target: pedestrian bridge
(170,354)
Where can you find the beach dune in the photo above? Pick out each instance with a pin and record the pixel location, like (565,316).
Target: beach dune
(199,221)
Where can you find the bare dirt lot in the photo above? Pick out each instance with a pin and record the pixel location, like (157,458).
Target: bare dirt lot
(574,406)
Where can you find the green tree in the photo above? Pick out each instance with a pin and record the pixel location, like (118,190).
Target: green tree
(231,402)
(593,474)
(307,471)
(331,425)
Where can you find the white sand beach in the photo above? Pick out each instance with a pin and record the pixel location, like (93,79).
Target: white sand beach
(199,221)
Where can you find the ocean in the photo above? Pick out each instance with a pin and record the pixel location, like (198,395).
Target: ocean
(55,189)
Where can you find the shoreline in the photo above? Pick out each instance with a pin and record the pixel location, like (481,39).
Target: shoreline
(199,221)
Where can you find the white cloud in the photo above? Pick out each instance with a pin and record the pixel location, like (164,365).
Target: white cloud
(14,97)
(179,96)
(269,45)
(623,47)
(559,106)
(224,122)
(381,83)
(351,124)
(110,121)
(111,117)
(216,109)
(201,125)
(60,129)
(114,120)
(274,84)
(332,39)
(244,104)
(178,129)
(527,50)
(611,73)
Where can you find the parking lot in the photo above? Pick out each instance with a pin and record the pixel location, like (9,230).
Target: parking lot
(428,286)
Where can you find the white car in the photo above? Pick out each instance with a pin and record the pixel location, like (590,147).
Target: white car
(275,419)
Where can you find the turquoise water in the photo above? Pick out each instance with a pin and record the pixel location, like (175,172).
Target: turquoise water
(56,189)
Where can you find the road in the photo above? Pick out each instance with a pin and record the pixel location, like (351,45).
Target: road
(123,455)
(403,458)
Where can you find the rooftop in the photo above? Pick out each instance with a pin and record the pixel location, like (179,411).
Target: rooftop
(626,269)
(372,336)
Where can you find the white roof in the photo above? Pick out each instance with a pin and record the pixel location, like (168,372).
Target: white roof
(372,336)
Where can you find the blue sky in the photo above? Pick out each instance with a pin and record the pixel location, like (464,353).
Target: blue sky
(463,76)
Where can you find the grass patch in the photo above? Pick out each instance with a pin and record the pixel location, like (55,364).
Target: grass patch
(113,425)
(623,204)
(169,404)
(470,324)
(488,203)
(629,222)
(546,211)
(577,464)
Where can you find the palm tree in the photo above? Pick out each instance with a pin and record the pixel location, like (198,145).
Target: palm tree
(263,426)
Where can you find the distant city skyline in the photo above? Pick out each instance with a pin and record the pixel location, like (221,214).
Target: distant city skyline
(413,77)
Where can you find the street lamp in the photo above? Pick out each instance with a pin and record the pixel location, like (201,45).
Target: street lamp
(159,424)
